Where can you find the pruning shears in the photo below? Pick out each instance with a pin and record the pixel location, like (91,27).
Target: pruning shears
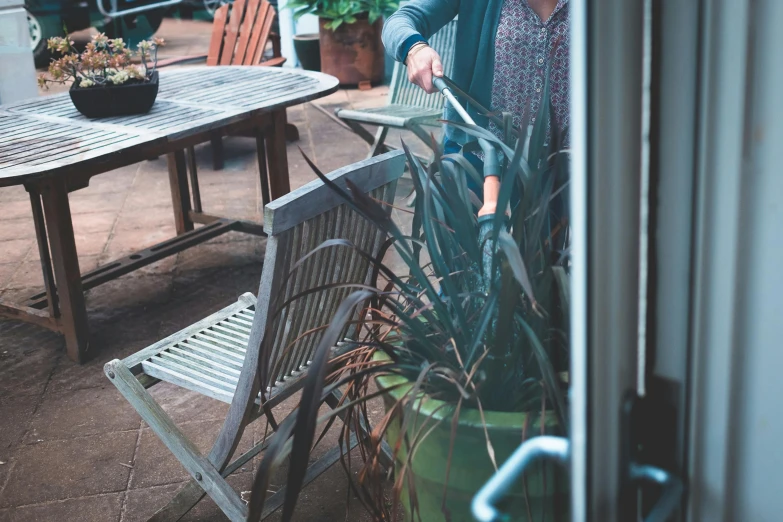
(491,168)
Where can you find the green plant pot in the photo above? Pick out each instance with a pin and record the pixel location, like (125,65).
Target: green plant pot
(543,495)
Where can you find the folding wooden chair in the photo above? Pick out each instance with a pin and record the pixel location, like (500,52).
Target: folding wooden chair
(219,356)
(240,33)
(409,107)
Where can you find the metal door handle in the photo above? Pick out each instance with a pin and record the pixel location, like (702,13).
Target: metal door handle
(557,449)
(537,448)
(672,490)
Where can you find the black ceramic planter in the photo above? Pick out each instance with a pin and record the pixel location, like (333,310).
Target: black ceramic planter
(115,100)
(308,50)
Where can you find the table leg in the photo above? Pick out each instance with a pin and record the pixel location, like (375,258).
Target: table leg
(72,308)
(43,252)
(277,157)
(263,172)
(180,193)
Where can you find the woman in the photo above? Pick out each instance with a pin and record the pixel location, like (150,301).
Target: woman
(503,51)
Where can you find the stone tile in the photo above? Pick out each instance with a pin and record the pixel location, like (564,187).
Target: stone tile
(16,414)
(339,97)
(88,202)
(131,292)
(187,406)
(17,208)
(58,470)
(326,500)
(118,180)
(152,195)
(81,412)
(375,97)
(156,466)
(141,504)
(96,508)
(133,240)
(95,221)
(30,273)
(6,272)
(209,255)
(144,218)
(5,471)
(108,344)
(28,355)
(19,228)
(15,250)
(200,293)
(15,193)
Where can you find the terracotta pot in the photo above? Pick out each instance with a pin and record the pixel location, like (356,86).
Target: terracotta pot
(353,52)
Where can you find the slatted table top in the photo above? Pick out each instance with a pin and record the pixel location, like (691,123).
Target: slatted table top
(47,135)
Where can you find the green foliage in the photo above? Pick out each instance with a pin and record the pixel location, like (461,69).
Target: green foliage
(478,319)
(340,12)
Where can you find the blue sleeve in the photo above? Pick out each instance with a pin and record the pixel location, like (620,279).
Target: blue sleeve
(410,42)
(417,18)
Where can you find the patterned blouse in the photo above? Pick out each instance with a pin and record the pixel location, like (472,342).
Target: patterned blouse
(523,46)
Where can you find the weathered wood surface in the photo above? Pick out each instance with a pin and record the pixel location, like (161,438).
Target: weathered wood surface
(46,135)
(220,356)
(315,198)
(408,107)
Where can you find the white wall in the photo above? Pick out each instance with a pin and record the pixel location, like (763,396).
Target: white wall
(289,27)
(17,72)
(737,415)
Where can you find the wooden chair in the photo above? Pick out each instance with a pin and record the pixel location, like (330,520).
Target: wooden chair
(409,107)
(240,33)
(219,355)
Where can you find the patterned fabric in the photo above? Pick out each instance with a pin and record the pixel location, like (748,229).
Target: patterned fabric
(523,46)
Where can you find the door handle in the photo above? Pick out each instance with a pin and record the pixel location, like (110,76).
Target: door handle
(544,447)
(557,449)
(670,496)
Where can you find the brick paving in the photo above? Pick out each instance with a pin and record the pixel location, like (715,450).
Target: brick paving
(70,447)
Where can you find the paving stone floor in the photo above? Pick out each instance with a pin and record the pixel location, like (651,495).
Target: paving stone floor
(70,447)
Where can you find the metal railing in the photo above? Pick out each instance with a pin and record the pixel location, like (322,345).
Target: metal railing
(115,12)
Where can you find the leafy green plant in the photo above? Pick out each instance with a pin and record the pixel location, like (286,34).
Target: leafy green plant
(340,12)
(478,319)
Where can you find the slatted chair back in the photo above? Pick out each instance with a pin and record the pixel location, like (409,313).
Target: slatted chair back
(292,322)
(240,32)
(404,92)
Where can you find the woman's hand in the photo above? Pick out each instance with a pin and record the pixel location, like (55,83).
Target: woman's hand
(423,62)
(491,193)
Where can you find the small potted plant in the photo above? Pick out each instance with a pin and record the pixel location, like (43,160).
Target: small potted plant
(350,36)
(106,81)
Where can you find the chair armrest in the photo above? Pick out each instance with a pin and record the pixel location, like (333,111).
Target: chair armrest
(275,39)
(274,62)
(182,60)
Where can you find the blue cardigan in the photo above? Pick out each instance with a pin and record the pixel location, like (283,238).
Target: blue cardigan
(474,52)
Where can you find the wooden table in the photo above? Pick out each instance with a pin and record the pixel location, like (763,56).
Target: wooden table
(51,149)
